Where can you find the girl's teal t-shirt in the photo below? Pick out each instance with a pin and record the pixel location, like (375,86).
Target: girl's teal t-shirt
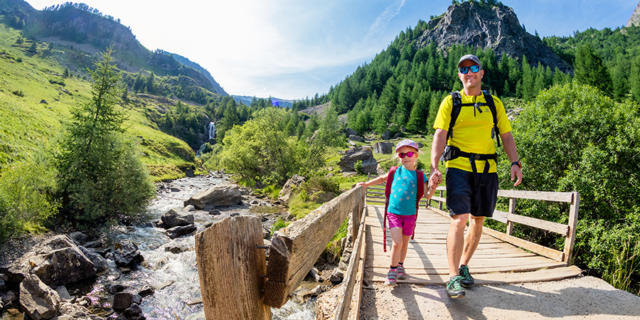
(404,190)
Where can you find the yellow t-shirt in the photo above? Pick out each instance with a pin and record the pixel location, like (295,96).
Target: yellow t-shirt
(472,130)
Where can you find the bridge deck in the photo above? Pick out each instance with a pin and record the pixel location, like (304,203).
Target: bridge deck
(494,261)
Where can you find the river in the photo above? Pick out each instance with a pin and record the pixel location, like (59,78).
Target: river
(174,276)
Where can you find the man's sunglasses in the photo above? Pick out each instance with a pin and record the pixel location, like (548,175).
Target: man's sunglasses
(408,154)
(474,68)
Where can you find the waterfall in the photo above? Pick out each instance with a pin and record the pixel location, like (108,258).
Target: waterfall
(212,130)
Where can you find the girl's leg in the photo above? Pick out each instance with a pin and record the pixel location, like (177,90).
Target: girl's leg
(397,246)
(405,246)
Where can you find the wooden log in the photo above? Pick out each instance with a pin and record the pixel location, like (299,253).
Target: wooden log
(541,250)
(230,268)
(296,248)
(536,195)
(573,223)
(342,311)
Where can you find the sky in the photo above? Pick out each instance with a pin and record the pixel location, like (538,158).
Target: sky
(292,49)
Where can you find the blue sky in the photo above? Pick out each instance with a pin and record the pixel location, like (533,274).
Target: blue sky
(294,48)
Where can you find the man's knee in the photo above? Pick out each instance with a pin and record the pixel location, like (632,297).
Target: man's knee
(459,221)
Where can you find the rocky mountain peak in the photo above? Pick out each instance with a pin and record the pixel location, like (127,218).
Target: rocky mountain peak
(635,17)
(495,26)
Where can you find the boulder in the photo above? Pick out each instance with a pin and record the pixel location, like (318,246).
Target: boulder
(174,218)
(386,135)
(13,314)
(348,161)
(125,253)
(355,137)
(383,147)
(336,276)
(123,300)
(219,195)
(98,261)
(70,311)
(134,312)
(58,261)
(287,189)
(146,291)
(180,231)
(350,132)
(37,299)
(79,237)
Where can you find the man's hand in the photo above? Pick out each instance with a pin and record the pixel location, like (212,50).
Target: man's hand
(436,178)
(516,172)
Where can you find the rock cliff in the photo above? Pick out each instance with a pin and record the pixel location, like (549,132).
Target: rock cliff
(482,25)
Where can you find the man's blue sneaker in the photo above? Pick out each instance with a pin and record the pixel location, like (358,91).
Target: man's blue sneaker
(467,279)
(454,289)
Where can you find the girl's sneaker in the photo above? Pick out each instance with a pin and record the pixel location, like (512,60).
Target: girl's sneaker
(392,277)
(401,274)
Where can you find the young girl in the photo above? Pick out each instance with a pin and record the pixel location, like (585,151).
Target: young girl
(402,204)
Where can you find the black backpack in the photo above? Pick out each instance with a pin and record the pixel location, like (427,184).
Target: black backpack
(457,105)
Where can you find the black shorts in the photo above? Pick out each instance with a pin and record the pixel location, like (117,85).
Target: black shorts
(468,195)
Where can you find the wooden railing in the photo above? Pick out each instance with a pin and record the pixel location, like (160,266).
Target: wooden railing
(234,281)
(568,231)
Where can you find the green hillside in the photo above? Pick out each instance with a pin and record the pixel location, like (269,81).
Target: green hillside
(35,101)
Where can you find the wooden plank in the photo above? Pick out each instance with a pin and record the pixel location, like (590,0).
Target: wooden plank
(499,216)
(230,244)
(552,274)
(558,228)
(570,240)
(536,195)
(342,310)
(444,269)
(541,250)
(296,248)
(355,308)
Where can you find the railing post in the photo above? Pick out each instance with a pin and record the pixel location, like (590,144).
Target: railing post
(231,267)
(570,238)
(356,214)
(512,208)
(440,202)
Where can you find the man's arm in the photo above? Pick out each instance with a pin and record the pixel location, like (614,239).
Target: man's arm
(439,141)
(509,145)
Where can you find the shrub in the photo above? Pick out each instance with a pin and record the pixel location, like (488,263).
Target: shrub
(26,195)
(279,224)
(358,167)
(573,137)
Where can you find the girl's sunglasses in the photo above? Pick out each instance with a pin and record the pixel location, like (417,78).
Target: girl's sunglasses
(474,68)
(408,154)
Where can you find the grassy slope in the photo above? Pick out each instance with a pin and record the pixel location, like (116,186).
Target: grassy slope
(26,124)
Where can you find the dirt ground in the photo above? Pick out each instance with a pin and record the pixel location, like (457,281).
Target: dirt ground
(576,298)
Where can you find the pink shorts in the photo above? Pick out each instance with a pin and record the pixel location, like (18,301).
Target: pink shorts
(406,222)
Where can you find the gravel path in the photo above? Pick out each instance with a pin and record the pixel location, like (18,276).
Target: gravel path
(576,298)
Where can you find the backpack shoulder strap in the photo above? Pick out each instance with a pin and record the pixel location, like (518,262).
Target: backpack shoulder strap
(492,106)
(456,101)
(387,187)
(420,178)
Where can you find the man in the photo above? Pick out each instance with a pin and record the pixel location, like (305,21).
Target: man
(472,181)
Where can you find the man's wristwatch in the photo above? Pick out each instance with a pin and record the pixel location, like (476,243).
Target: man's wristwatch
(516,163)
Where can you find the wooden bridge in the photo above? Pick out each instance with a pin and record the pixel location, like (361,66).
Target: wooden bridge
(238,282)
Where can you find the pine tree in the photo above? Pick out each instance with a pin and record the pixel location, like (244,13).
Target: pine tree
(590,70)
(619,77)
(100,176)
(418,117)
(527,80)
